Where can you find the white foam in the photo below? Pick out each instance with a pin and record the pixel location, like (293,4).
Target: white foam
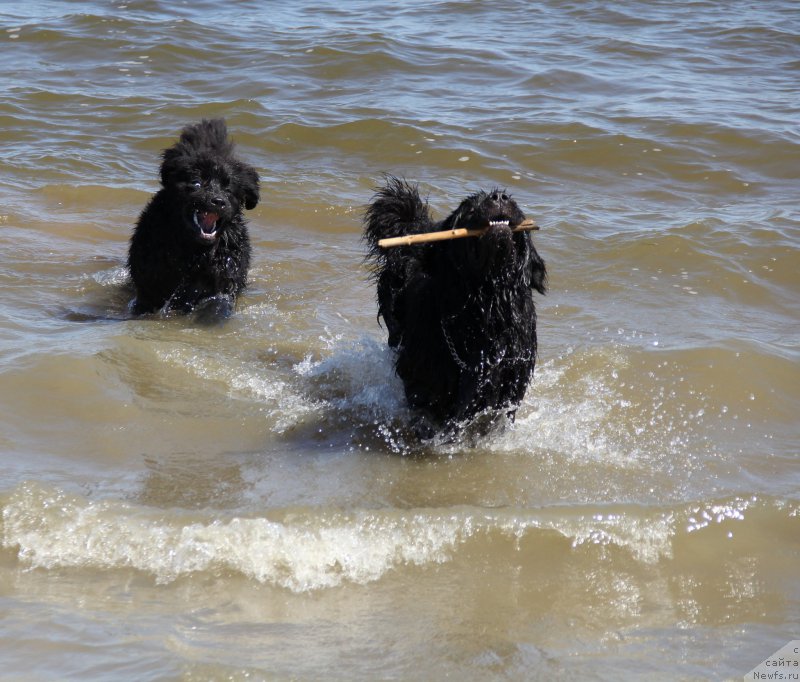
(302,551)
(305,552)
(647,539)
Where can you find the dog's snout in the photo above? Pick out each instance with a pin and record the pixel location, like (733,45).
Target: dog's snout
(499,197)
(218,202)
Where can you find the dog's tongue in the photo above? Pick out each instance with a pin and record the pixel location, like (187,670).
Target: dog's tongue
(207,220)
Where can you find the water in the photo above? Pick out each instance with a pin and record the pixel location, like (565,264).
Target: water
(192,502)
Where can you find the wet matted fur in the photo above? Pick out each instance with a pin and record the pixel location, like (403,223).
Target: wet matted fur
(191,241)
(460,313)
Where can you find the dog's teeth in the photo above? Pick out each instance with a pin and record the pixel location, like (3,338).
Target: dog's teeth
(499,223)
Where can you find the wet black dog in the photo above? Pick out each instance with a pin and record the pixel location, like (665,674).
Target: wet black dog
(460,313)
(191,241)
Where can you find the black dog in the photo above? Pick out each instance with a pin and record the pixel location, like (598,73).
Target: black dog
(191,241)
(460,313)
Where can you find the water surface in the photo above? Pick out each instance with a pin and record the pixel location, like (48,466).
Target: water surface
(243,501)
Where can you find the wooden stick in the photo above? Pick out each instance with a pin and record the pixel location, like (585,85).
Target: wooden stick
(423,237)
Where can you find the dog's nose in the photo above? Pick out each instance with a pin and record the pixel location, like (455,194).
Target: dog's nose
(499,197)
(218,202)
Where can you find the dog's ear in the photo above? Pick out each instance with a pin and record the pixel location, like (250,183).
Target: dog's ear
(173,166)
(246,184)
(537,271)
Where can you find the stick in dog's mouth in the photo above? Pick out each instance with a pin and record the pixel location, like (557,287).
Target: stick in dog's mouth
(524,226)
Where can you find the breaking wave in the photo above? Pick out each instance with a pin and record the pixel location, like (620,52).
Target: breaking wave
(307,549)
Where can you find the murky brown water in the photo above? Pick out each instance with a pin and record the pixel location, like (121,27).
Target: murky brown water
(243,501)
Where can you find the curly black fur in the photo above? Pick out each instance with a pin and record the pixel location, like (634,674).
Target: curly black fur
(191,240)
(459,313)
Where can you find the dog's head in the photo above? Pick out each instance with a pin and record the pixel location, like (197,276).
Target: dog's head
(499,252)
(210,185)
(495,209)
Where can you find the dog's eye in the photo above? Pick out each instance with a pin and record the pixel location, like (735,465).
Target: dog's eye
(197,184)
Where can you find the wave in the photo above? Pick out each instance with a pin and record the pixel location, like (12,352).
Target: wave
(311,549)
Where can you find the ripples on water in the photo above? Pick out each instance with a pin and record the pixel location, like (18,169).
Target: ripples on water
(243,501)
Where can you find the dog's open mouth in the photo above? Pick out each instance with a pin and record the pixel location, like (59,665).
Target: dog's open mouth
(206,223)
(502,220)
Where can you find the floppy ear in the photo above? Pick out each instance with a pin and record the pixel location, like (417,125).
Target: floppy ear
(537,271)
(173,167)
(246,184)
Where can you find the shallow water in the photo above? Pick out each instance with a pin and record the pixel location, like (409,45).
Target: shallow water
(243,501)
